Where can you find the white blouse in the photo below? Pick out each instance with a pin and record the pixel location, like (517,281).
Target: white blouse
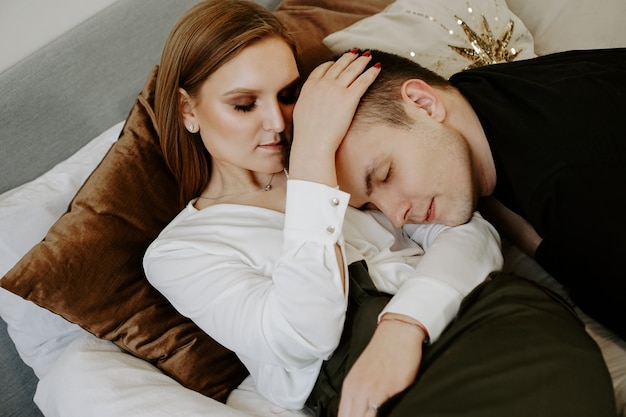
(267,285)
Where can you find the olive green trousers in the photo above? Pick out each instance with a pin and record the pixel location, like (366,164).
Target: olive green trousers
(514,349)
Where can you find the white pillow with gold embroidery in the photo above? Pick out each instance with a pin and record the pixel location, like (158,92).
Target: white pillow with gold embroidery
(444,36)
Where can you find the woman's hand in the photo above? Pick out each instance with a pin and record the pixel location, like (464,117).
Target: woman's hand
(388,365)
(323,114)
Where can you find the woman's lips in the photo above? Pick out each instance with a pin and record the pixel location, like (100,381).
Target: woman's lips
(275,147)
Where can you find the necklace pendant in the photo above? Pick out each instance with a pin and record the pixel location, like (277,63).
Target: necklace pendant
(267,187)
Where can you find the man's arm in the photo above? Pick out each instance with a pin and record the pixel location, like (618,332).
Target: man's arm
(511,225)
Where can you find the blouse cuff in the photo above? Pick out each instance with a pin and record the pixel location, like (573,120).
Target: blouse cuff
(314,212)
(431,302)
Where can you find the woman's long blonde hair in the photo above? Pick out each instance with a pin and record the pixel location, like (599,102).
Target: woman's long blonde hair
(203,39)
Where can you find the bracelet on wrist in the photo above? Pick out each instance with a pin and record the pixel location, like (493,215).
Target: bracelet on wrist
(418,325)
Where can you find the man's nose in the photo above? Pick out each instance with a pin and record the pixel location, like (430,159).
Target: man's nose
(394,210)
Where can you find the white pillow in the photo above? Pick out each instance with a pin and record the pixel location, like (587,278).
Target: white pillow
(561,25)
(445,37)
(26,214)
(94,377)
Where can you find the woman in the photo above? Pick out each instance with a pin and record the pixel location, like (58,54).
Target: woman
(257,257)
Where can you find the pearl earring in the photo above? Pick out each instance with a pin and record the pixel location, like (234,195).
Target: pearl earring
(191,128)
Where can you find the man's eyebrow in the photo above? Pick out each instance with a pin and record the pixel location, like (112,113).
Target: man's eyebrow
(369,171)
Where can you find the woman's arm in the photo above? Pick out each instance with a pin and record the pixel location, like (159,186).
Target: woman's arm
(323,114)
(277,302)
(455,261)
(430,287)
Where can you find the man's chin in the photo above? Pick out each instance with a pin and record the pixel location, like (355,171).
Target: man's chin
(458,219)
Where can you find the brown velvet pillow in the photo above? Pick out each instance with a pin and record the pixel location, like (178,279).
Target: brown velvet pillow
(88,268)
(310,21)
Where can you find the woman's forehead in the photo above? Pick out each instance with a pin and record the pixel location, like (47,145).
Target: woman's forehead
(267,64)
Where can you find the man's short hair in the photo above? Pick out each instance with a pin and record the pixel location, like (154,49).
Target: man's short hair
(382,101)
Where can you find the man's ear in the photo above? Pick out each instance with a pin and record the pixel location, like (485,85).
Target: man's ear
(185,107)
(418,96)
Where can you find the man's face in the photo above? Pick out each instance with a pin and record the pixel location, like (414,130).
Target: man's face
(423,175)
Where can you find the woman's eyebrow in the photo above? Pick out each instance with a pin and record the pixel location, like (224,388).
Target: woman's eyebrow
(254,91)
(241,90)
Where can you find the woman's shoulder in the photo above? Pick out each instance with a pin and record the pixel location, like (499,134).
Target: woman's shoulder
(218,224)
(222,215)
(214,236)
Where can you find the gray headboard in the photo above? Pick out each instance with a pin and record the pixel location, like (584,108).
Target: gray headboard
(57,99)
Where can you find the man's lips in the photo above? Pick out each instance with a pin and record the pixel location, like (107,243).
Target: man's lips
(430,213)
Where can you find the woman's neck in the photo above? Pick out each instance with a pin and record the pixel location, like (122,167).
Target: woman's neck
(246,188)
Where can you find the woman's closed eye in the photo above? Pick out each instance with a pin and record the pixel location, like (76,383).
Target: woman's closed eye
(246,106)
(287,96)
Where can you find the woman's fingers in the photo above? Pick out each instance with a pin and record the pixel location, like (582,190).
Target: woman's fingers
(333,68)
(365,79)
(346,69)
(349,67)
(345,62)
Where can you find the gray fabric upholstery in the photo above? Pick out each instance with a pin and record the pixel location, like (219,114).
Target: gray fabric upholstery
(85,81)
(57,99)
(17,380)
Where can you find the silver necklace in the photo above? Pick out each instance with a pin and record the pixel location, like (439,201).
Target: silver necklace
(266,187)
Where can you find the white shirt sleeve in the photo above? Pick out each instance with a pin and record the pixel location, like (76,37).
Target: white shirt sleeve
(428,283)
(272,294)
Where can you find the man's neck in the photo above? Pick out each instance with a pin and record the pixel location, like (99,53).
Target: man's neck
(462,117)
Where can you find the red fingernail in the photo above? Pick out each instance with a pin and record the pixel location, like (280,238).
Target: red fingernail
(377,65)
(354,51)
(367,53)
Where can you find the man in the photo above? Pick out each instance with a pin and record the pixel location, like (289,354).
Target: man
(538,145)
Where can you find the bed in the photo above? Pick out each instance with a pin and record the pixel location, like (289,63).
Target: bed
(80,338)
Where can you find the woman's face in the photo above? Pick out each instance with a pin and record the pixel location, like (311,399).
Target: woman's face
(245,106)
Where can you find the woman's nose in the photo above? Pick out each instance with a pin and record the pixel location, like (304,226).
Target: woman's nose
(275,118)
